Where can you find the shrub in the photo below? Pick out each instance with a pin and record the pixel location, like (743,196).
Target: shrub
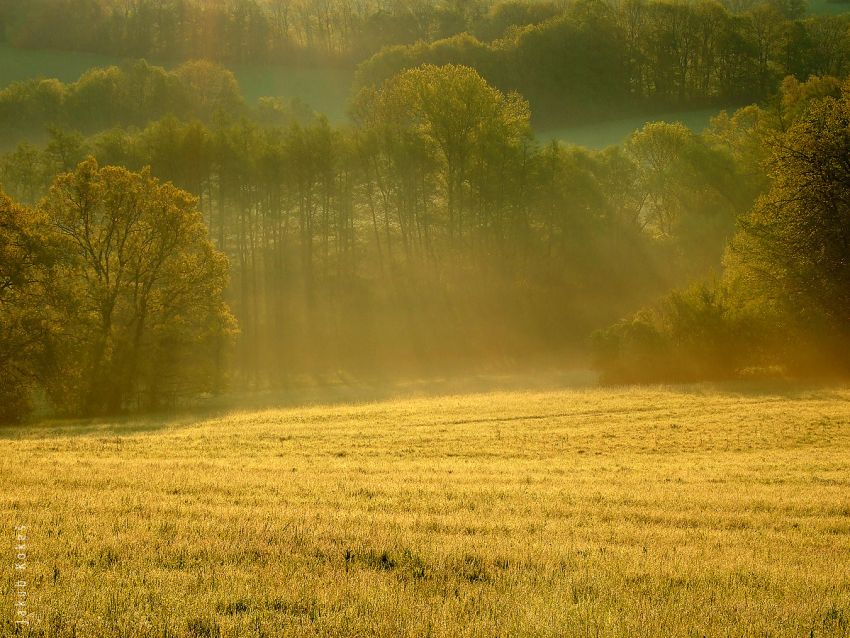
(697,334)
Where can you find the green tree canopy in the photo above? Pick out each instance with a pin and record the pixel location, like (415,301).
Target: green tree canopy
(148,320)
(793,249)
(26,252)
(448,115)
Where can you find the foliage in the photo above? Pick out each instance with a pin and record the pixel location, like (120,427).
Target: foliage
(148,321)
(111,295)
(26,253)
(573,61)
(459,130)
(435,232)
(131,95)
(784,295)
(595,60)
(242,31)
(696,334)
(792,250)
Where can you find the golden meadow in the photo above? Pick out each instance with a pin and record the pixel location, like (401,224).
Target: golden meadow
(682,511)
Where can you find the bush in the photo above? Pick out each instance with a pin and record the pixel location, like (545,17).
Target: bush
(15,396)
(696,334)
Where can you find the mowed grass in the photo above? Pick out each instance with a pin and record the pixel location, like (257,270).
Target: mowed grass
(695,511)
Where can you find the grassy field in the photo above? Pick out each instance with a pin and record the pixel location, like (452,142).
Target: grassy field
(692,511)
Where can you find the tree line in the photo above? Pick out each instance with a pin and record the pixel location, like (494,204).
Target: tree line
(251,31)
(315,31)
(596,59)
(576,60)
(572,60)
(434,233)
(779,304)
(132,95)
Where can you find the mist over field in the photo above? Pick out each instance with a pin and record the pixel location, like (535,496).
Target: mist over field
(424,318)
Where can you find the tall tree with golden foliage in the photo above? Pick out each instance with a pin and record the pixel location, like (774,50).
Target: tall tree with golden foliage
(26,254)
(148,322)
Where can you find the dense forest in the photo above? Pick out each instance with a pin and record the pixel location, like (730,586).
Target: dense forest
(341,31)
(571,60)
(595,60)
(161,237)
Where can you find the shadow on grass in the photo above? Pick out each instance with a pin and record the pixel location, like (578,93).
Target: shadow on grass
(312,392)
(340,391)
(785,388)
(121,425)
